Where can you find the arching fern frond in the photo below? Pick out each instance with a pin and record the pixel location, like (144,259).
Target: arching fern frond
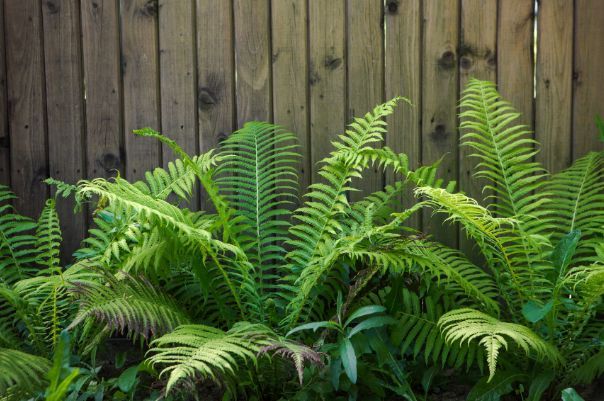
(505,153)
(208,352)
(178,178)
(258,178)
(466,325)
(21,373)
(129,305)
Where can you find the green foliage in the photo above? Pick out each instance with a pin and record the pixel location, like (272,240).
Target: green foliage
(362,305)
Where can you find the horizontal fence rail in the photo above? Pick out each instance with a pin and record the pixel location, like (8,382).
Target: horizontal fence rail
(78,76)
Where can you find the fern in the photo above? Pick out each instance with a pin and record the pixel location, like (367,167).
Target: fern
(258,179)
(465,325)
(193,350)
(505,153)
(579,205)
(128,305)
(48,235)
(317,218)
(21,373)
(17,244)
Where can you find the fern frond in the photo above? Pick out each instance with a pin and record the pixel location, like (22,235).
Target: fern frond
(207,352)
(298,353)
(22,372)
(48,233)
(178,178)
(318,217)
(128,305)
(417,332)
(466,325)
(258,179)
(579,204)
(17,244)
(505,153)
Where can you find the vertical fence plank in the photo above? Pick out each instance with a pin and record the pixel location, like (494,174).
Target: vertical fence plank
(515,56)
(4,138)
(589,64)
(177,77)
(100,35)
(365,73)
(439,99)
(25,79)
(215,74)
(140,80)
(477,59)
(252,52)
(403,78)
(327,76)
(554,83)
(290,76)
(65,108)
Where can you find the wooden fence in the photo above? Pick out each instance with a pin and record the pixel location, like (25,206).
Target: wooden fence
(77,76)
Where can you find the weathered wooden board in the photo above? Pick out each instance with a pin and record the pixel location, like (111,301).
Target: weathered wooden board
(102,80)
(439,100)
(515,47)
(140,75)
(365,74)
(290,76)
(215,75)
(588,100)
(327,76)
(403,51)
(26,104)
(253,60)
(554,83)
(477,59)
(4,137)
(65,108)
(178,77)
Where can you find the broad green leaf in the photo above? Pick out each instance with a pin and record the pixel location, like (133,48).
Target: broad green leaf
(501,384)
(335,369)
(564,251)
(364,311)
(534,311)
(127,379)
(570,394)
(349,359)
(314,326)
(539,384)
(371,323)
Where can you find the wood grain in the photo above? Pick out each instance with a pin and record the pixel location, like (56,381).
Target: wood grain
(439,100)
(26,104)
(253,60)
(403,78)
(327,76)
(515,61)
(554,83)
(215,75)
(4,136)
(140,79)
(365,74)
(290,76)
(102,80)
(178,78)
(588,96)
(65,108)
(477,59)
